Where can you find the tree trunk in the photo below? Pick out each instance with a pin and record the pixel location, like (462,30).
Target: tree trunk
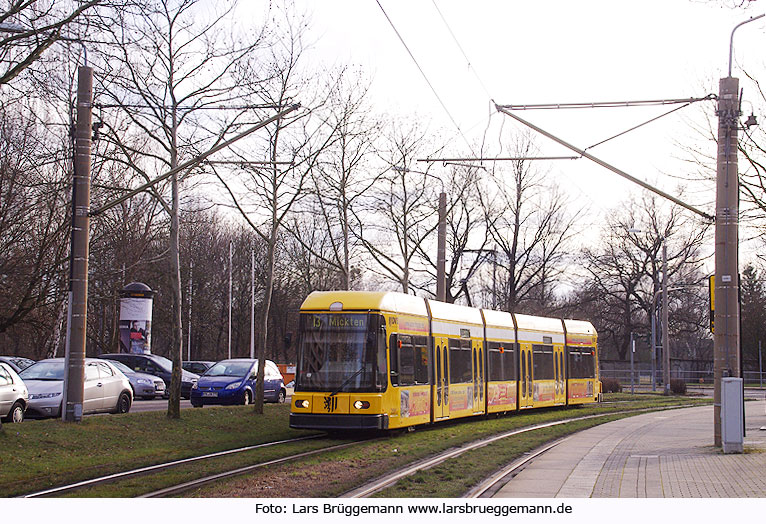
(260,351)
(176,349)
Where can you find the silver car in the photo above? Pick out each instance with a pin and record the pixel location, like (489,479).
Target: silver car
(144,385)
(106,389)
(13,395)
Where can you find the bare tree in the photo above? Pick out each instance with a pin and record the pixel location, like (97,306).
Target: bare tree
(169,65)
(467,237)
(624,270)
(33,227)
(529,222)
(29,27)
(343,174)
(399,213)
(292,147)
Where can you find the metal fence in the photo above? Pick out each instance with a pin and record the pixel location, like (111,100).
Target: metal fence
(643,377)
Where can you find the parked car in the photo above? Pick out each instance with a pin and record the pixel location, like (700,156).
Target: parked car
(17,363)
(14,396)
(197,366)
(106,389)
(155,365)
(232,381)
(144,386)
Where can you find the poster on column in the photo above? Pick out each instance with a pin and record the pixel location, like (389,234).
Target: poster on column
(135,325)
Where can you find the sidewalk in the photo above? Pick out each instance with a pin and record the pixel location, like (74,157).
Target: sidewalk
(661,454)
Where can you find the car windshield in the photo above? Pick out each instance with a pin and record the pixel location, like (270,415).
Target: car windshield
(229,369)
(44,371)
(122,367)
(21,362)
(163,362)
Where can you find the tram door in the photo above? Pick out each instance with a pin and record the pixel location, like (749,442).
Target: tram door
(478,378)
(558,361)
(525,376)
(440,387)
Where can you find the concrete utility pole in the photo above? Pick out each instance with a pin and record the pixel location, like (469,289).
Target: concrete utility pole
(726,337)
(726,348)
(441,276)
(78,271)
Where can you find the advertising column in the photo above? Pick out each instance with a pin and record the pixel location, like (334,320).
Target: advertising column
(136,301)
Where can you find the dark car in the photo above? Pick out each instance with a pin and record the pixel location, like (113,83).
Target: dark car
(144,386)
(18,364)
(232,381)
(197,366)
(155,365)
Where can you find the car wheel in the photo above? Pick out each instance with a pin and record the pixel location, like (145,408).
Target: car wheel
(248,398)
(282,396)
(16,414)
(123,403)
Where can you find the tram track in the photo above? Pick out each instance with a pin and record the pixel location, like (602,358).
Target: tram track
(156,468)
(193,484)
(365,490)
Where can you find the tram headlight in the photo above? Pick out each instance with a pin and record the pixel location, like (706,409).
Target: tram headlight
(302,404)
(361,404)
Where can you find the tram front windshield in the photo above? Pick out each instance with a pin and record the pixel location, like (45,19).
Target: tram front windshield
(341,352)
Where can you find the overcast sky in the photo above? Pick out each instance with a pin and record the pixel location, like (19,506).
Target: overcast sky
(546,52)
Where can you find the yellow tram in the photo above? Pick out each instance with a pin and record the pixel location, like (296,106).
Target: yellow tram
(385,360)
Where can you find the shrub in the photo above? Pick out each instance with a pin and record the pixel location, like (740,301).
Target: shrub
(678,386)
(610,385)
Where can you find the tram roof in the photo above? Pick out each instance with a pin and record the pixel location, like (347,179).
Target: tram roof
(529,322)
(366,300)
(454,312)
(579,327)
(501,319)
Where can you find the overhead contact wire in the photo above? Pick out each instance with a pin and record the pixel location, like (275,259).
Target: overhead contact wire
(430,85)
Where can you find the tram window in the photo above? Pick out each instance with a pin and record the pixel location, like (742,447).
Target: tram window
(574,363)
(394,357)
(589,360)
(523,375)
(438,368)
(481,363)
(460,361)
(581,363)
(409,360)
(543,360)
(501,365)
(420,355)
(406,361)
(561,364)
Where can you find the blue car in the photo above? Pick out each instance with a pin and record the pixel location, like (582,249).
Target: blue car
(232,382)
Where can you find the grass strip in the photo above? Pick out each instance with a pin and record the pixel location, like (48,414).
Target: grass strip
(46,453)
(140,485)
(337,472)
